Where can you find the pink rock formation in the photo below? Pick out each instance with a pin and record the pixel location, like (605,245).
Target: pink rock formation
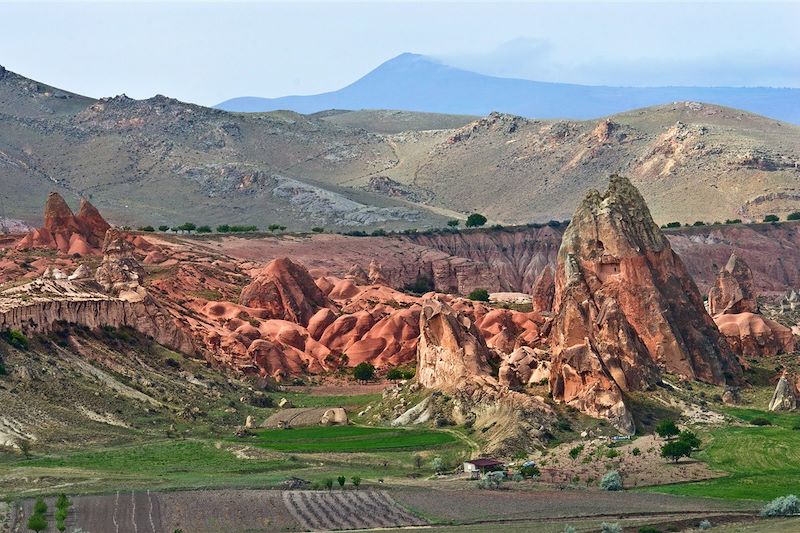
(753,335)
(625,307)
(733,291)
(66,232)
(544,290)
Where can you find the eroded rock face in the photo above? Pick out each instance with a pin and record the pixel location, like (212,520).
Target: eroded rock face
(80,234)
(753,335)
(783,399)
(120,272)
(286,291)
(733,292)
(544,290)
(625,307)
(450,350)
(524,366)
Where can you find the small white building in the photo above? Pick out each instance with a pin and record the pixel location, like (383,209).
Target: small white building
(476,467)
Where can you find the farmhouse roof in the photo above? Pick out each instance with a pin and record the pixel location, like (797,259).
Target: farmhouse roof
(484,462)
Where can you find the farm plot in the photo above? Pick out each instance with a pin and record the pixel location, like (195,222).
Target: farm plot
(343,439)
(325,511)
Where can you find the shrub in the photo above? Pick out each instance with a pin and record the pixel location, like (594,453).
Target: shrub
(16,339)
(394,374)
(437,464)
(530,471)
(410,373)
(453,223)
(612,454)
(187,226)
(636,452)
(364,371)
(699,223)
(611,481)
(649,529)
(675,450)
(479,295)
(223,228)
(275,227)
(576,451)
(667,428)
(569,529)
(782,506)
(771,218)
(37,522)
(672,225)
(341,480)
(356,481)
(63,502)
(204,229)
(475,220)
(689,438)
(609,527)
(3,370)
(795,215)
(317,229)
(733,221)
(163,228)
(491,480)
(147,228)
(704,524)
(420,286)
(40,507)
(24,446)
(760,421)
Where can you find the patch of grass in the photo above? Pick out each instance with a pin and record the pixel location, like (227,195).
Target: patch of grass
(785,420)
(345,439)
(761,462)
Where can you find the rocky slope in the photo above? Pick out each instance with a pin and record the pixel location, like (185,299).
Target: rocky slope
(135,157)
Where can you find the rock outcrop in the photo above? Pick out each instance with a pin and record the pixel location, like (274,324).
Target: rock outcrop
(753,335)
(80,234)
(625,308)
(544,290)
(783,399)
(286,291)
(733,291)
(120,273)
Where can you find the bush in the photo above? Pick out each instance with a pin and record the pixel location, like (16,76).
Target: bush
(163,228)
(569,529)
(733,221)
(689,438)
(204,229)
(475,220)
(410,373)
(394,374)
(479,295)
(667,428)
(437,464)
(699,223)
(771,218)
(16,339)
(782,506)
(636,452)
(611,481)
(675,450)
(453,223)
(364,371)
(608,527)
(672,225)
(576,451)
(760,421)
(649,529)
(223,228)
(704,524)
(530,471)
(380,232)
(147,228)
(356,481)
(420,286)
(793,216)
(187,226)
(317,229)
(275,227)
(40,507)
(37,522)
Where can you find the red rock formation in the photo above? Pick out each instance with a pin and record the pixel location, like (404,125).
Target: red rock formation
(544,290)
(286,291)
(625,307)
(733,291)
(66,232)
(753,335)
(119,272)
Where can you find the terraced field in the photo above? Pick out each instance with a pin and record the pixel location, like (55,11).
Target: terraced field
(327,510)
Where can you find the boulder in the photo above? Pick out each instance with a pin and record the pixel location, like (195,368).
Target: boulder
(334,416)
(733,291)
(783,398)
(624,308)
(286,291)
(732,395)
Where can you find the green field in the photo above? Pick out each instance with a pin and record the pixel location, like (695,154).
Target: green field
(351,439)
(762,462)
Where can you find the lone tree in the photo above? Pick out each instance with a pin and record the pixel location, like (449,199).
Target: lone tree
(356,481)
(187,226)
(37,522)
(364,371)
(675,450)
(453,223)
(341,480)
(479,295)
(24,446)
(475,220)
(795,215)
(771,218)
(667,429)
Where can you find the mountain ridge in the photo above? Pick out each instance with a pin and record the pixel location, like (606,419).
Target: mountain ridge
(415,82)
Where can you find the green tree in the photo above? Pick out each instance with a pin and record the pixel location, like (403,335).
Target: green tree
(341,480)
(204,229)
(672,225)
(63,502)
(667,429)
(147,228)
(394,374)
(187,226)
(24,446)
(223,228)
(274,227)
(795,215)
(40,507)
(530,471)
(611,481)
(475,220)
(364,371)
(37,522)
(733,221)
(453,223)
(437,464)
(689,438)
(329,483)
(479,295)
(771,218)
(318,229)
(699,223)
(356,481)
(675,450)
(163,228)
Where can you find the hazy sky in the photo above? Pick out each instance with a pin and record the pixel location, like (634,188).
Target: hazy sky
(206,52)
